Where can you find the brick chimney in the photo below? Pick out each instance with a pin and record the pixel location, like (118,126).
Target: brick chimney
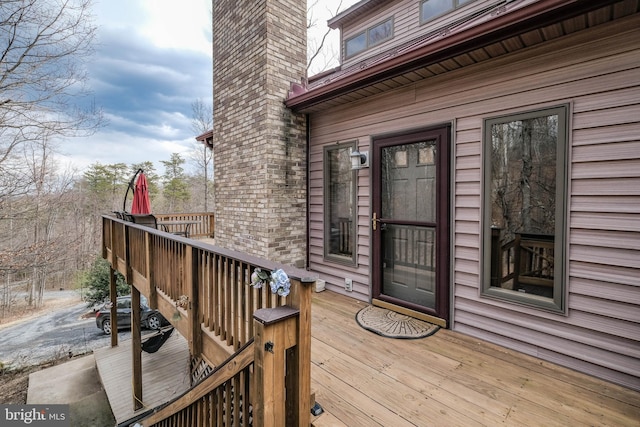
(259,49)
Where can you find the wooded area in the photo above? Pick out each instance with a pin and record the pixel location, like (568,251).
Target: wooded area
(50,225)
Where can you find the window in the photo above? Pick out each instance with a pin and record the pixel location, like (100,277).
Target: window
(369,38)
(525,176)
(433,8)
(339,204)
(380,33)
(123,303)
(356,44)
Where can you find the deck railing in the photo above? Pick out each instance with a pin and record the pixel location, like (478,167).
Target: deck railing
(204,222)
(203,291)
(207,403)
(525,260)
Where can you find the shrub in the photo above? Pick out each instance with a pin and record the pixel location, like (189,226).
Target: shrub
(96,281)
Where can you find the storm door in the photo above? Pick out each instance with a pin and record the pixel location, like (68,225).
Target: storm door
(410,220)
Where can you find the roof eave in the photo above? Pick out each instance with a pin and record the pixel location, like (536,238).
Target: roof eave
(204,136)
(537,14)
(352,13)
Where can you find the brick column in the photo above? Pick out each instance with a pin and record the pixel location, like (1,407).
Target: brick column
(259,48)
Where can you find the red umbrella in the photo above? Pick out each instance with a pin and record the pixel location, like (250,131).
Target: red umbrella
(141,203)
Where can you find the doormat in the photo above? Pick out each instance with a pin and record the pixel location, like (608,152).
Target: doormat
(394,325)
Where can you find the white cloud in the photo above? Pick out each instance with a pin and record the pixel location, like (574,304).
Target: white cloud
(174,24)
(117,147)
(153,60)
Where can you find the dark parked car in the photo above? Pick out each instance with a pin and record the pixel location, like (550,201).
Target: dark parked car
(150,318)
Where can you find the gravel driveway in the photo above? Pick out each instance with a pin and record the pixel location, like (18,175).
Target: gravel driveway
(55,334)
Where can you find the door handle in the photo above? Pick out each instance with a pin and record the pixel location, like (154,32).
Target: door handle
(374,221)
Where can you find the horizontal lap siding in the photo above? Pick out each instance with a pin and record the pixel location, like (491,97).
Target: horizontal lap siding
(407,26)
(334,274)
(601,333)
(601,81)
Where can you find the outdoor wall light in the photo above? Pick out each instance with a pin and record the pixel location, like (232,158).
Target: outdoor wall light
(359,159)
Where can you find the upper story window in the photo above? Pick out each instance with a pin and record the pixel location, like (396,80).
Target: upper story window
(369,38)
(433,8)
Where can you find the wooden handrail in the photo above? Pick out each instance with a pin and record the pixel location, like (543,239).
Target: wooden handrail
(222,374)
(203,226)
(526,259)
(118,226)
(208,287)
(266,387)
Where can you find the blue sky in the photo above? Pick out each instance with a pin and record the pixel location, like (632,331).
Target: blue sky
(152,61)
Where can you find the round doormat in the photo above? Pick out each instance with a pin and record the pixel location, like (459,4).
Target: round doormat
(394,325)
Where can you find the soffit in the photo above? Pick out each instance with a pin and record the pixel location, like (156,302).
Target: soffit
(354,12)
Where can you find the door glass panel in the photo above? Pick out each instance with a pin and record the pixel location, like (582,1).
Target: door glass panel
(409,182)
(409,263)
(408,216)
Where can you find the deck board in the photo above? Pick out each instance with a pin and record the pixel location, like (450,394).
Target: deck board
(165,375)
(361,378)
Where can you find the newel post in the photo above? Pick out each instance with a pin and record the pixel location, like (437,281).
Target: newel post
(136,349)
(276,331)
(193,308)
(113,313)
(299,357)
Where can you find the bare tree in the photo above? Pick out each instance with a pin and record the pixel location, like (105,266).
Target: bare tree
(43,44)
(202,156)
(36,242)
(317,46)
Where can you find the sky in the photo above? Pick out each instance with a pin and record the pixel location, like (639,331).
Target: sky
(153,60)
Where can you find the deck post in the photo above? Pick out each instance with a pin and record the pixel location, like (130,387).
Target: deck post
(107,224)
(136,348)
(212,226)
(150,273)
(113,314)
(496,257)
(517,261)
(299,358)
(275,334)
(193,309)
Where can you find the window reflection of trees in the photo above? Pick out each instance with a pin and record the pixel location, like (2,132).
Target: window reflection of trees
(523,179)
(341,196)
(523,209)
(380,32)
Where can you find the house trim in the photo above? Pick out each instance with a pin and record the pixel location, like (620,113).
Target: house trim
(500,27)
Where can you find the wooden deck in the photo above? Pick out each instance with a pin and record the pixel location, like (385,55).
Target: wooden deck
(362,379)
(165,375)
